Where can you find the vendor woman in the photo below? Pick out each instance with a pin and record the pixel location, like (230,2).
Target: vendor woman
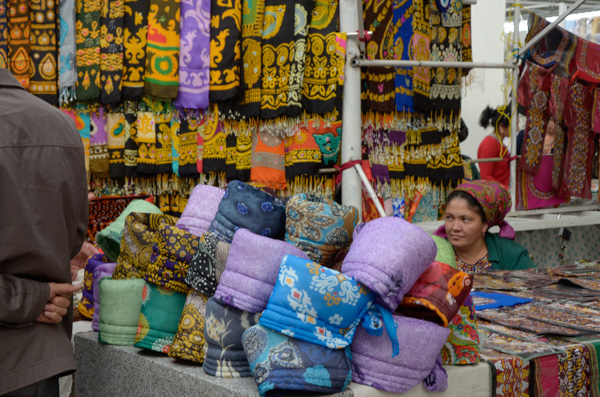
(471,209)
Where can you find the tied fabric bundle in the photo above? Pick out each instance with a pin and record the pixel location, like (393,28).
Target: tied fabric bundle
(244,206)
(462,346)
(418,361)
(136,246)
(121,306)
(172,253)
(437,295)
(200,209)
(209,263)
(281,363)
(188,343)
(224,353)
(159,318)
(316,304)
(103,270)
(86,303)
(251,270)
(319,226)
(388,255)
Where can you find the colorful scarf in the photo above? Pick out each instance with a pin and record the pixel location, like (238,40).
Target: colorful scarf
(230,157)
(82,123)
(319,88)
(175,128)
(162,126)
(67,75)
(213,152)
(19,60)
(558,98)
(88,49)
(225,55)
(462,346)
(115,131)
(403,19)
(146,139)
(557,47)
(104,211)
(466,44)
(421,45)
(4,34)
(194,57)
(135,23)
(187,147)
(277,40)
(243,158)
(111,50)
(131,146)
(162,49)
(98,145)
(268,160)
(188,343)
(380,80)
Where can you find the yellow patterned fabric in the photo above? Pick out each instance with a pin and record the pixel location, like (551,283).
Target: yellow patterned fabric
(18,41)
(189,341)
(162,126)
(87,41)
(3,34)
(43,45)
(214,154)
(421,52)
(139,235)
(297,51)
(188,145)
(146,139)
(134,40)
(111,50)
(131,146)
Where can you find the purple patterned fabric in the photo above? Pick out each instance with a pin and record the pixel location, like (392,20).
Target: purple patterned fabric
(200,209)
(420,344)
(104,270)
(194,59)
(251,270)
(98,133)
(388,255)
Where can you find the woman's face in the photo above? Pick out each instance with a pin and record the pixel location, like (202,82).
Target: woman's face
(464,226)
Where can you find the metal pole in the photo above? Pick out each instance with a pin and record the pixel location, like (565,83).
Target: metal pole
(562,7)
(367,184)
(433,64)
(514,114)
(351,118)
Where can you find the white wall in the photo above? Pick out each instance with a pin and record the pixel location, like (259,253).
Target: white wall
(487,24)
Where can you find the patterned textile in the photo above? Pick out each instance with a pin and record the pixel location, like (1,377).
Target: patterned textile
(437,295)
(67,75)
(161,78)
(194,57)
(121,307)
(139,235)
(479,266)
(421,40)
(557,47)
(388,255)
(466,44)
(251,270)
(111,50)
(103,211)
(146,140)
(536,191)
(283,363)
(213,153)
(98,145)
(224,355)
(115,131)
(577,165)
(200,209)
(175,125)
(316,304)
(4,34)
(277,55)
(545,377)
(225,54)
(525,324)
(243,155)
(319,226)
(244,206)
(268,160)
(302,18)
(418,360)
(131,145)
(162,128)
(135,24)
(86,303)
(82,123)
(204,266)
(172,252)
(188,343)
(403,19)
(462,346)
(101,271)
(510,375)
(188,147)
(586,61)
(319,88)
(541,312)
(159,318)
(19,59)
(88,50)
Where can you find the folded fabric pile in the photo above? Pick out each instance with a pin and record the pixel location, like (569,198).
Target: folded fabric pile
(103,270)
(121,306)
(188,343)
(86,303)
(200,210)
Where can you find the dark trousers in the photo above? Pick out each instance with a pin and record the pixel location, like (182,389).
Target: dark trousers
(45,388)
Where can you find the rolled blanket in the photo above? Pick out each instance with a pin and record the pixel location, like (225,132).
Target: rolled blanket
(200,209)
(420,343)
(462,346)
(437,294)
(207,264)
(137,243)
(101,271)
(251,270)
(188,343)
(282,363)
(445,252)
(86,303)
(121,305)
(319,226)
(244,206)
(109,238)
(172,253)
(159,318)
(316,304)
(224,354)
(388,255)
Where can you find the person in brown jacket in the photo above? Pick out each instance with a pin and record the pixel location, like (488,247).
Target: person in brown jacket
(43,220)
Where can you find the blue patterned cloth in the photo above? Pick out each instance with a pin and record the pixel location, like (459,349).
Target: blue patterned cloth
(316,304)
(244,206)
(403,17)
(281,363)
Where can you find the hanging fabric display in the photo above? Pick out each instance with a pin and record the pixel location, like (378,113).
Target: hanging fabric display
(466,44)
(175,127)
(403,19)
(225,54)
(277,43)
(19,60)
(586,61)
(297,53)
(111,50)
(243,158)
(213,154)
(268,160)
(88,50)
(421,52)
(82,123)
(67,76)
(556,48)
(146,139)
(115,131)
(131,146)
(230,157)
(3,34)
(43,41)
(161,77)
(98,145)
(162,127)
(135,23)
(187,147)
(558,98)
(319,86)
(194,57)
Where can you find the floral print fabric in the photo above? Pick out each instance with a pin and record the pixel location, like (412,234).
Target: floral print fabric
(205,265)
(462,346)
(188,343)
